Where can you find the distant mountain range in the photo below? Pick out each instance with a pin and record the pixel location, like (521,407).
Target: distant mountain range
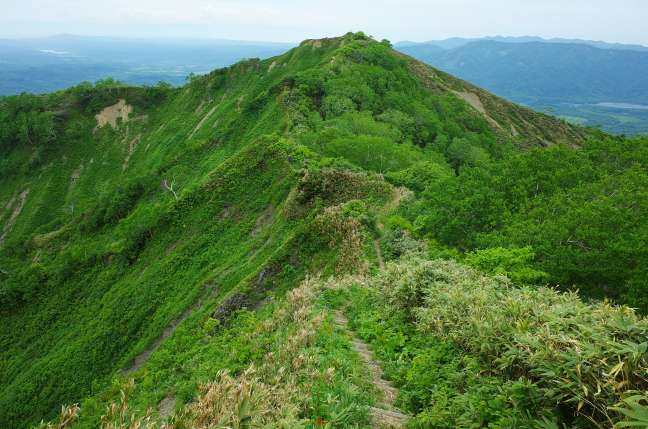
(592,83)
(456,42)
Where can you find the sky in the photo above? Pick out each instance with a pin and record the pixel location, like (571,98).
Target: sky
(622,21)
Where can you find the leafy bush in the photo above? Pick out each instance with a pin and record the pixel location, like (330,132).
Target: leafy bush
(25,120)
(579,210)
(516,264)
(420,175)
(440,385)
(333,186)
(117,205)
(398,242)
(586,358)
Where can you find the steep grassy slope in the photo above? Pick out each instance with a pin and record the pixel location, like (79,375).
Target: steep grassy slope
(551,72)
(463,349)
(129,249)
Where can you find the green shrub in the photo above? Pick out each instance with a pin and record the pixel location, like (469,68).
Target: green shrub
(516,264)
(585,358)
(397,242)
(420,175)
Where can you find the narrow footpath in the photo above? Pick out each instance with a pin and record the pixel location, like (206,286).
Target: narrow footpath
(385,415)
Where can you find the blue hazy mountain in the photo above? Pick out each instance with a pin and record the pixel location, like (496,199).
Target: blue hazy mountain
(456,42)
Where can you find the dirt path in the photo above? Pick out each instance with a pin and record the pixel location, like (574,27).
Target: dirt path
(381,262)
(398,194)
(141,358)
(385,415)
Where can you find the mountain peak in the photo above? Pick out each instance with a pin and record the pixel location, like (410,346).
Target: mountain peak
(509,121)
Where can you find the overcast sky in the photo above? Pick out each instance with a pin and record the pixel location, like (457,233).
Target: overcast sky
(292,20)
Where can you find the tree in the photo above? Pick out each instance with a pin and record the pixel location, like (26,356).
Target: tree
(25,120)
(515,263)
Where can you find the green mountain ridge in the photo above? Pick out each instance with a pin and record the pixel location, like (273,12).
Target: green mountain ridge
(182,237)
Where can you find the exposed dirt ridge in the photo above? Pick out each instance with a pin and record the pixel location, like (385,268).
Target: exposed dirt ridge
(111,114)
(141,358)
(473,100)
(14,213)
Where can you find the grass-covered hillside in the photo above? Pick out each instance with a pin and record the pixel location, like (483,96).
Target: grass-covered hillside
(214,255)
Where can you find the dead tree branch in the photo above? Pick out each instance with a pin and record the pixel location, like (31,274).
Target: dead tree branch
(170,187)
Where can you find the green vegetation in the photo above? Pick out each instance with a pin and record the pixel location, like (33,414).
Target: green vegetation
(154,241)
(468,350)
(580,211)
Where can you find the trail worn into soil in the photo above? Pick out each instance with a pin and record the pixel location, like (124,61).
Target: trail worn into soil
(14,213)
(385,415)
(381,261)
(141,358)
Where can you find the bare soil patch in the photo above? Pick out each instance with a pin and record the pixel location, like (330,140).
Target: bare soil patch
(166,405)
(111,114)
(14,214)
(202,121)
(131,148)
(473,99)
(263,220)
(387,415)
(141,359)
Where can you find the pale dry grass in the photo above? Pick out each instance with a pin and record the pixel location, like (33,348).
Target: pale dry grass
(68,416)
(272,394)
(346,233)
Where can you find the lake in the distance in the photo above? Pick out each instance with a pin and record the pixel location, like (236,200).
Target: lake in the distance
(622,106)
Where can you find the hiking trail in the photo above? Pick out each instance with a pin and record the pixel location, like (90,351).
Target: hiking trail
(385,414)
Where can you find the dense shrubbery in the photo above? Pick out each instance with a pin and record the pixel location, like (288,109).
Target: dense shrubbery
(25,120)
(471,349)
(512,263)
(582,212)
(112,208)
